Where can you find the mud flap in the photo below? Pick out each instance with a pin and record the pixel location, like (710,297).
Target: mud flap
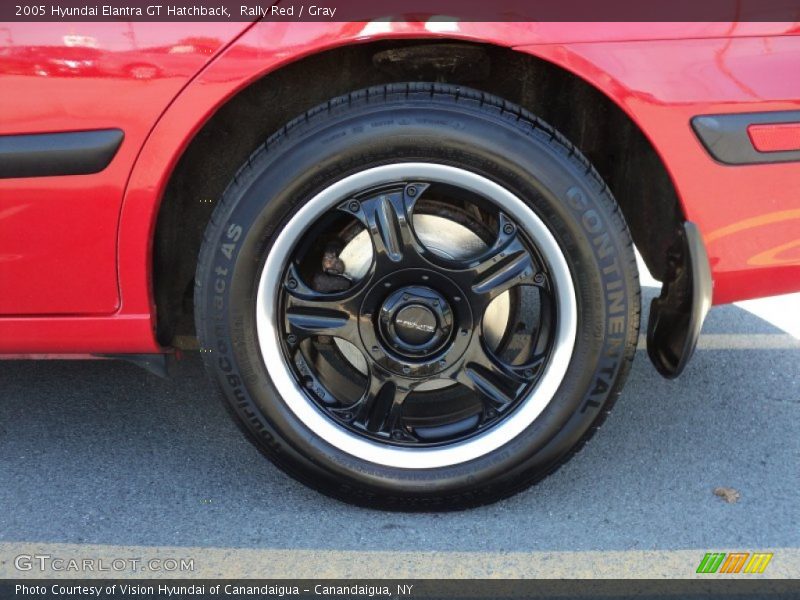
(677,316)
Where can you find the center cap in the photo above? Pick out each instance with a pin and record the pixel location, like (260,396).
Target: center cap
(415,324)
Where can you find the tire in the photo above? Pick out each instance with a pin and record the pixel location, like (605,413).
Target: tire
(423,420)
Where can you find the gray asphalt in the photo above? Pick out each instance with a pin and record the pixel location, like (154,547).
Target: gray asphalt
(101,452)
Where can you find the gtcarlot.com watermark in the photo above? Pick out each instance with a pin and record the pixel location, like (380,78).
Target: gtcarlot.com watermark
(46,563)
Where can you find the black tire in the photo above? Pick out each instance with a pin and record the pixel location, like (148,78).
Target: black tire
(447,125)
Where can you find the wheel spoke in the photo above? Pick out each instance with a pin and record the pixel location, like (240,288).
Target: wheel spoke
(495,387)
(496,382)
(388,219)
(380,408)
(505,264)
(310,313)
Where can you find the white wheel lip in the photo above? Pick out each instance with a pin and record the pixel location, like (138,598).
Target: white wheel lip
(384,454)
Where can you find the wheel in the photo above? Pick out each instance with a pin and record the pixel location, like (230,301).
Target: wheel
(418,296)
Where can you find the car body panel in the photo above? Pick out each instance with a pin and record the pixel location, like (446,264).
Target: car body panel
(749,215)
(59,235)
(98,258)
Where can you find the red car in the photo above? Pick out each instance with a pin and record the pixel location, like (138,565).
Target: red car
(403,249)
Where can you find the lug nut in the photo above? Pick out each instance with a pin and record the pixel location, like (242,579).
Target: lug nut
(406,369)
(354,206)
(508,229)
(291,338)
(538,278)
(411,191)
(292,284)
(528,373)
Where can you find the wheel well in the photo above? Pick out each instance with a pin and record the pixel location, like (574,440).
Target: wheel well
(604,133)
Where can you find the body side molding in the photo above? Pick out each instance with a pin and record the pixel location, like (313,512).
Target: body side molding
(64,153)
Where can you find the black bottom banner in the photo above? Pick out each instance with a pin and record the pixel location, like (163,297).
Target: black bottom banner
(246,589)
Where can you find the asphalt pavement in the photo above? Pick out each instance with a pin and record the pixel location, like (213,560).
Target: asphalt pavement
(102,459)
